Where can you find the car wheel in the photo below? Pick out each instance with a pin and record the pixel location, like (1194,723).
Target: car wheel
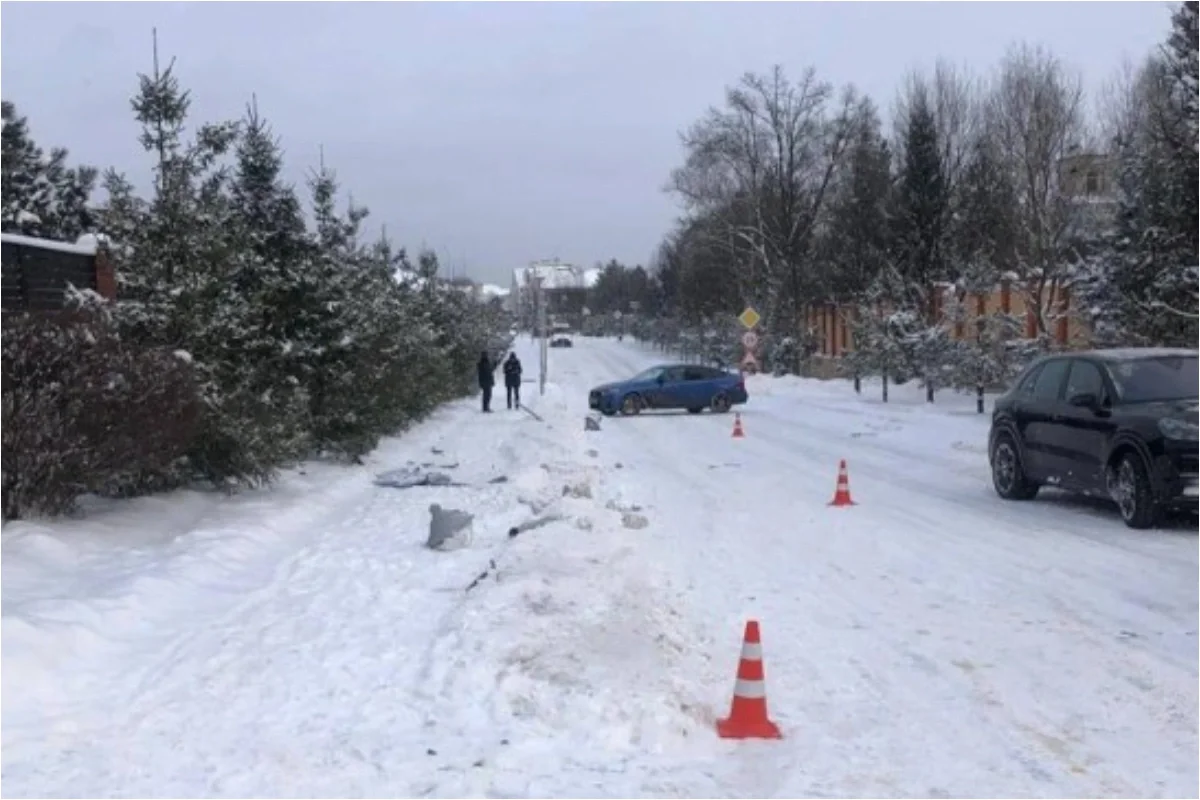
(721,404)
(695,409)
(1008,475)
(1130,488)
(631,405)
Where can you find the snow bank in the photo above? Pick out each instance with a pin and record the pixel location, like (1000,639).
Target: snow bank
(907,396)
(302,641)
(89,601)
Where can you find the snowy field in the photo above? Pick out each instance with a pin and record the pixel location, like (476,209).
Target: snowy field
(300,641)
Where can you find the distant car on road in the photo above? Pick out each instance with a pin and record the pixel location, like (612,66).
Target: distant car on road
(561,341)
(689,386)
(1120,424)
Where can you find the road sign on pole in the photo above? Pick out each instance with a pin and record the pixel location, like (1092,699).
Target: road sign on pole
(749,318)
(750,340)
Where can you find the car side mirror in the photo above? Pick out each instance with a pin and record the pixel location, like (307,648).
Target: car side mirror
(1088,400)
(660,380)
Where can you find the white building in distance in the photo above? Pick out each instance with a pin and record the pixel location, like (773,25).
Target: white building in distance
(564,285)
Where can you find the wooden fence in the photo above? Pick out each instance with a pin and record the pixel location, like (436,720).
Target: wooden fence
(833,324)
(35,273)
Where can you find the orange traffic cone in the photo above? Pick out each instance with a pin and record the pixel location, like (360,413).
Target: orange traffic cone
(738,433)
(841,497)
(748,715)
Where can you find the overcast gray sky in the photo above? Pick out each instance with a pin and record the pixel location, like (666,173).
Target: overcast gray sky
(499,133)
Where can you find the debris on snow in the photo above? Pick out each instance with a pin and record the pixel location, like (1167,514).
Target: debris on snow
(408,477)
(579,490)
(634,521)
(591,423)
(529,525)
(449,529)
(532,413)
(483,576)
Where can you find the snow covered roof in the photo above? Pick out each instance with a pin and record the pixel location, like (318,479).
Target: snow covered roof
(86,245)
(554,275)
(492,290)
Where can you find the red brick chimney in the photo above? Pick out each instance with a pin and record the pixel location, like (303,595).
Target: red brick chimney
(106,277)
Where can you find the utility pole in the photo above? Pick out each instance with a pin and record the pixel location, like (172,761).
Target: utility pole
(541,327)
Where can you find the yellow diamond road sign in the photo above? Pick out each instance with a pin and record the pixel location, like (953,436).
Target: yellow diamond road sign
(749,318)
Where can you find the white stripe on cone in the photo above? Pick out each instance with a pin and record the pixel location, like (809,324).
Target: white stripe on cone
(750,690)
(751,651)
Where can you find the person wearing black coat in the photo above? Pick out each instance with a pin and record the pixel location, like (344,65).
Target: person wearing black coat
(486,380)
(512,380)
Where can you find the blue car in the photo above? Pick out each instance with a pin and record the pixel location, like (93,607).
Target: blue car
(687,386)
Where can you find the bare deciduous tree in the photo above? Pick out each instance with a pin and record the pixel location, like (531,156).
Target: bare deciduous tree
(761,166)
(1036,112)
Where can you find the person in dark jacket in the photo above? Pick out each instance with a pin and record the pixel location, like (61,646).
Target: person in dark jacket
(486,380)
(512,380)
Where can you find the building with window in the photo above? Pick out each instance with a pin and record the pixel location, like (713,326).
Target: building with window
(1088,175)
(564,287)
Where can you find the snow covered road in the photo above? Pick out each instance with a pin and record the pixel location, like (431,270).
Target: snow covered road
(930,641)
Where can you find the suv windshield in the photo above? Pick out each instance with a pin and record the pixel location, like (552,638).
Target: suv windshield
(1148,380)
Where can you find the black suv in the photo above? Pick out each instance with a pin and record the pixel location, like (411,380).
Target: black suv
(1113,423)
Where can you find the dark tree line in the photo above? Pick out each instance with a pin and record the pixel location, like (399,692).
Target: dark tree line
(796,196)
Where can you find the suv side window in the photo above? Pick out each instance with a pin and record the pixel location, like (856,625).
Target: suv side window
(1085,378)
(695,374)
(1026,387)
(1050,379)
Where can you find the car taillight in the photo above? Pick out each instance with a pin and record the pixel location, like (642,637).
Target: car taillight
(741,385)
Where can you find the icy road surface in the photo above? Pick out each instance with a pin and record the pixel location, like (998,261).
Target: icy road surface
(930,641)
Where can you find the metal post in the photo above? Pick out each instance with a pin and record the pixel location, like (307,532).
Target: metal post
(541,326)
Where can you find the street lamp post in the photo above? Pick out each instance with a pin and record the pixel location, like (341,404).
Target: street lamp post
(544,352)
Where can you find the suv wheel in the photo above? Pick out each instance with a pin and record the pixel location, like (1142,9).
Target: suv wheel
(1130,488)
(1008,475)
(721,404)
(631,405)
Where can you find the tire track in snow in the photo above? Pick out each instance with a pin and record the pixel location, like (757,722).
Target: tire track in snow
(1126,660)
(658,440)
